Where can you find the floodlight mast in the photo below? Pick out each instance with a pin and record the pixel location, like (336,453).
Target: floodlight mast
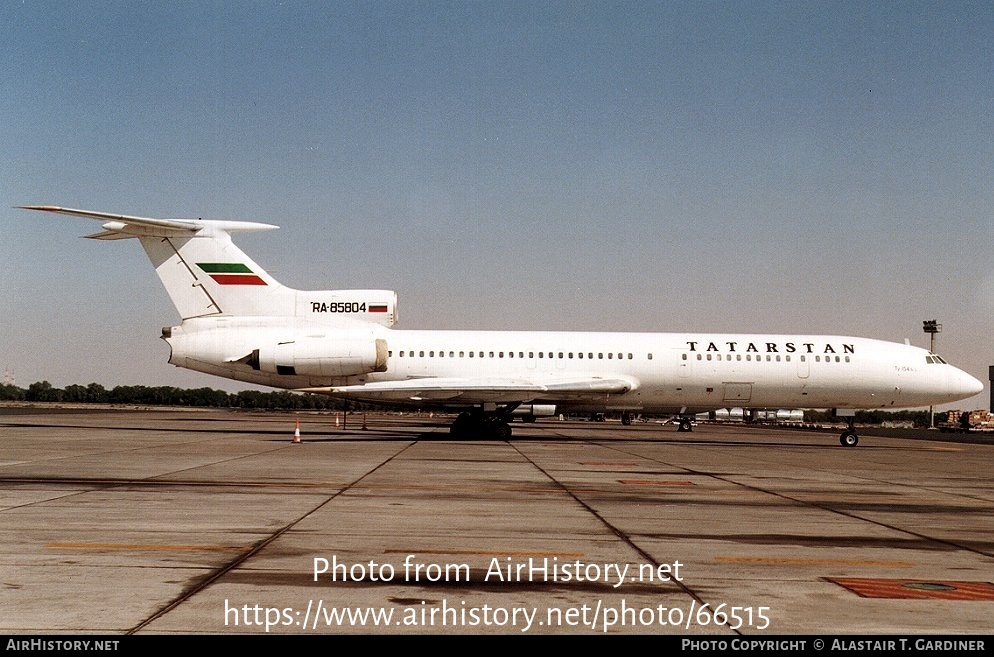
(932,327)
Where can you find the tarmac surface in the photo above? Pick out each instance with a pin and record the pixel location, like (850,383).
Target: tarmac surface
(197,522)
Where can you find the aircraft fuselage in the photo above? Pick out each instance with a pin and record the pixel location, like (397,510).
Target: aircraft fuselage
(665,371)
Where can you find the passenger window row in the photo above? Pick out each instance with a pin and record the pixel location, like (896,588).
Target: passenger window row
(410,353)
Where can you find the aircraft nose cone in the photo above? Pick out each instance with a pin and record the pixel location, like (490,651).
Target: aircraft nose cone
(965,385)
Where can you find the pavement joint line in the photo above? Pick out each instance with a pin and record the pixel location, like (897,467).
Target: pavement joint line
(791,561)
(144,546)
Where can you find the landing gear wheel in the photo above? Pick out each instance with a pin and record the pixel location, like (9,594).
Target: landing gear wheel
(849,439)
(473,424)
(463,425)
(495,428)
(685,425)
(626,418)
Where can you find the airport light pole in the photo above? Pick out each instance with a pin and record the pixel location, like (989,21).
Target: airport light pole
(932,327)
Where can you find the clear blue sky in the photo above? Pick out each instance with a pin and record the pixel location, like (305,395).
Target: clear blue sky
(819,167)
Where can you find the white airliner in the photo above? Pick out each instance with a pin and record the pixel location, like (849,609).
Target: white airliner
(240,323)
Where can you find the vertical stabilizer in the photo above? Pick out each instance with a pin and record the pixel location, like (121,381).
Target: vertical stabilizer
(206,275)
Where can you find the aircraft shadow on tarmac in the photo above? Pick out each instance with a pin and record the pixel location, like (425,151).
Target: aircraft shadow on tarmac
(440,433)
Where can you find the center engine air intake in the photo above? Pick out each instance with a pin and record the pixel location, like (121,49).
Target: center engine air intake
(324,357)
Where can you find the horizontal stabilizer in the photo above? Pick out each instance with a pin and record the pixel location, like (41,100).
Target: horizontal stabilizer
(184,225)
(124,226)
(108,235)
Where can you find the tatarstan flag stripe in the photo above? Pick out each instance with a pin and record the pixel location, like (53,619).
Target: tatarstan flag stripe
(379,308)
(237,279)
(224,268)
(231,273)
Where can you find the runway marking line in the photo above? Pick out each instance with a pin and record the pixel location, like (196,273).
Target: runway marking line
(916,589)
(814,562)
(144,547)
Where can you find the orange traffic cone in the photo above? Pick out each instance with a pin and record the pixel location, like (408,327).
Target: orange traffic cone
(296,433)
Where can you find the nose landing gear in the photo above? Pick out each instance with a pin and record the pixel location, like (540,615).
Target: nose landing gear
(849,437)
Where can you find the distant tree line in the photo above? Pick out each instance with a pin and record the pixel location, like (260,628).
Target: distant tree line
(94,393)
(917,418)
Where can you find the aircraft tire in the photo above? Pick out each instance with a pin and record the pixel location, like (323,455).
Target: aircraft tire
(849,439)
(462,425)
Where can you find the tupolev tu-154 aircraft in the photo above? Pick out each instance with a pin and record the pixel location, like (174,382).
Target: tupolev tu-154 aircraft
(238,322)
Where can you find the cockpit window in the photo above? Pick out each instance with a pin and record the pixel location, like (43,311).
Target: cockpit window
(932,359)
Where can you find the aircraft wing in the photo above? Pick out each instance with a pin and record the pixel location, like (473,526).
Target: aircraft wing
(480,390)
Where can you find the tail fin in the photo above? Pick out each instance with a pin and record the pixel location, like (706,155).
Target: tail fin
(205,274)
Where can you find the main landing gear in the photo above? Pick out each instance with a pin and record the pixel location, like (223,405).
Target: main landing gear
(683,424)
(849,437)
(477,424)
